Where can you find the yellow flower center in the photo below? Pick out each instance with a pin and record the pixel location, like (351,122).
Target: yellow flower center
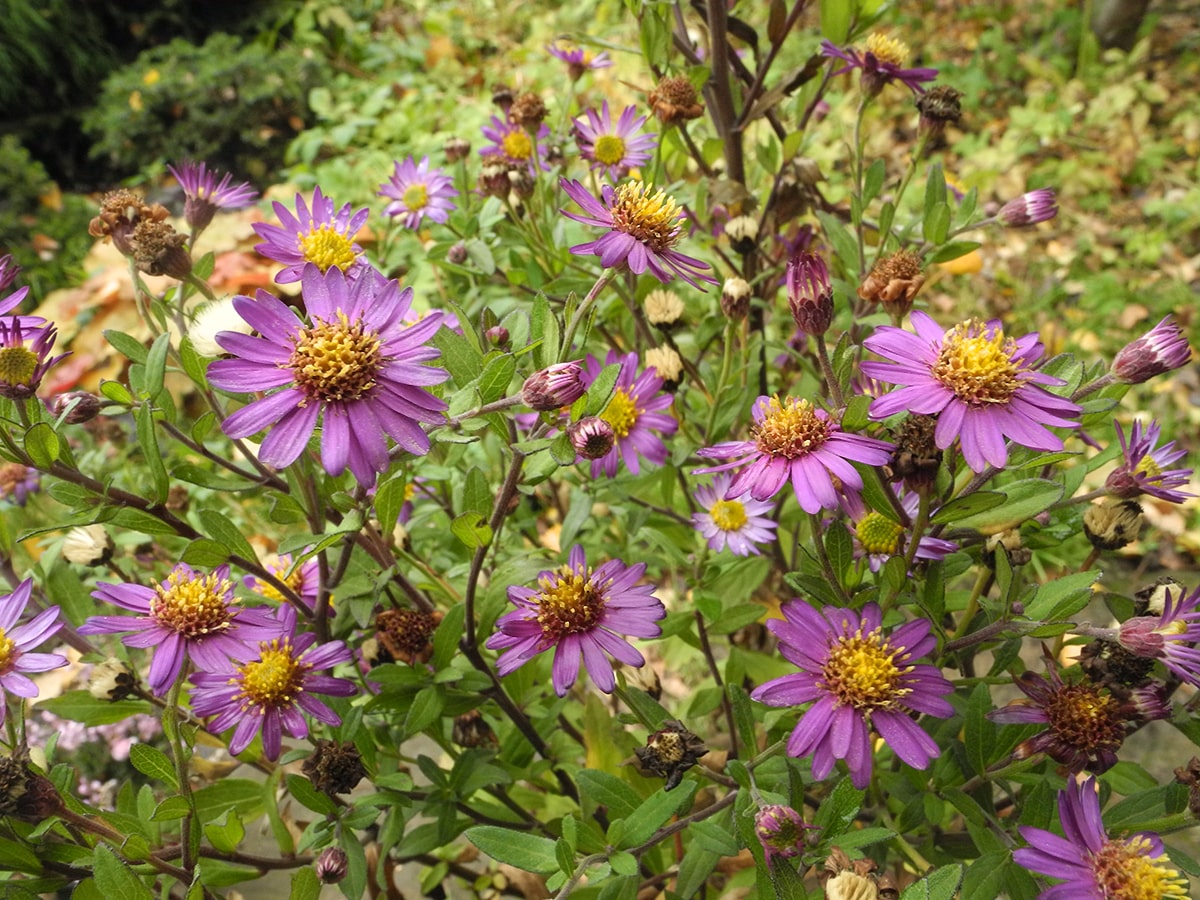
(879,534)
(517,145)
(17,365)
(609,149)
(1148,467)
(862,672)
(275,679)
(192,607)
(568,604)
(1086,717)
(886,49)
(1126,871)
(7,645)
(416,197)
(728,515)
(651,218)
(336,360)
(622,412)
(791,428)
(293,581)
(328,248)
(977,366)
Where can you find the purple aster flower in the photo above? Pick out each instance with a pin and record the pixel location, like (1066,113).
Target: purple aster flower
(269,690)
(24,356)
(1029,209)
(512,142)
(582,614)
(643,229)
(304,580)
(1170,636)
(418,191)
(982,385)
(9,270)
(187,615)
(882,62)
(1144,468)
(810,294)
(578,59)
(322,235)
(16,642)
(1160,350)
(614,148)
(1085,723)
(1092,865)
(737,523)
(205,195)
(879,538)
(355,365)
(793,440)
(860,680)
(17,482)
(635,412)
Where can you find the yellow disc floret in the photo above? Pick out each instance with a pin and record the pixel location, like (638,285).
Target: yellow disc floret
(729,515)
(879,534)
(887,49)
(1125,870)
(862,672)
(328,248)
(622,412)
(192,607)
(416,196)
(275,678)
(651,218)
(17,365)
(7,645)
(977,364)
(568,603)
(609,149)
(517,145)
(336,360)
(791,428)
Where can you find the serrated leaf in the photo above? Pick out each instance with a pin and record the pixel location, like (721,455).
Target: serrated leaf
(153,763)
(115,879)
(528,852)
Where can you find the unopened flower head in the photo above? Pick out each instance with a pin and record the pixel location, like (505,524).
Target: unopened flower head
(17,659)
(636,414)
(1093,866)
(554,387)
(1169,637)
(810,294)
(858,680)
(981,383)
(320,235)
(739,524)
(204,195)
(663,307)
(211,319)
(797,442)
(781,830)
(418,191)
(578,59)
(187,615)
(665,360)
(76,407)
(1145,468)
(881,62)
(87,545)
(584,616)
(614,147)
(1160,350)
(644,227)
(1029,209)
(269,689)
(735,298)
(355,364)
(332,865)
(592,437)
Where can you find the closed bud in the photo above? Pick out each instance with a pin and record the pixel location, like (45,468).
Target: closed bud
(76,407)
(456,148)
(742,232)
(810,295)
(497,336)
(1160,350)
(735,298)
(552,388)
(781,831)
(1029,209)
(112,680)
(332,865)
(457,253)
(592,437)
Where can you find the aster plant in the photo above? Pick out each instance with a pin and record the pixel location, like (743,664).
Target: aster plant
(418,191)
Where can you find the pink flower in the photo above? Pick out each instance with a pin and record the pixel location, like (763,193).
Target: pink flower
(738,524)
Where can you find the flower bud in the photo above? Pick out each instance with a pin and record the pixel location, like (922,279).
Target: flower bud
(592,437)
(78,406)
(781,831)
(112,680)
(742,232)
(1029,209)
(457,253)
(89,545)
(497,336)
(1158,351)
(332,865)
(456,148)
(735,298)
(663,308)
(552,388)
(667,363)
(810,295)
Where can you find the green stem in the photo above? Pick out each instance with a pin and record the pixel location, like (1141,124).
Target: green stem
(564,351)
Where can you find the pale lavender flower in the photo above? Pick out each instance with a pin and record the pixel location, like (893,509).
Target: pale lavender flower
(635,413)
(578,59)
(858,680)
(418,192)
(614,147)
(321,235)
(737,523)
(17,660)
(583,615)
(1144,467)
(355,365)
(512,142)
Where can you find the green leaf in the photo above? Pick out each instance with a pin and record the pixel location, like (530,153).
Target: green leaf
(472,529)
(517,848)
(148,440)
(477,495)
(838,810)
(128,346)
(459,356)
(204,553)
(601,390)
(389,500)
(115,879)
(308,796)
(655,36)
(607,791)
(954,250)
(562,451)
(221,528)
(836,16)
(873,182)
(985,876)
(42,445)
(153,763)
(937,224)
(425,709)
(840,548)
(654,813)
(481,255)
(978,502)
(172,808)
(156,366)
(1023,500)
(305,885)
(941,884)
(226,836)
(1062,597)
(496,377)
(978,733)
(240,794)
(81,706)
